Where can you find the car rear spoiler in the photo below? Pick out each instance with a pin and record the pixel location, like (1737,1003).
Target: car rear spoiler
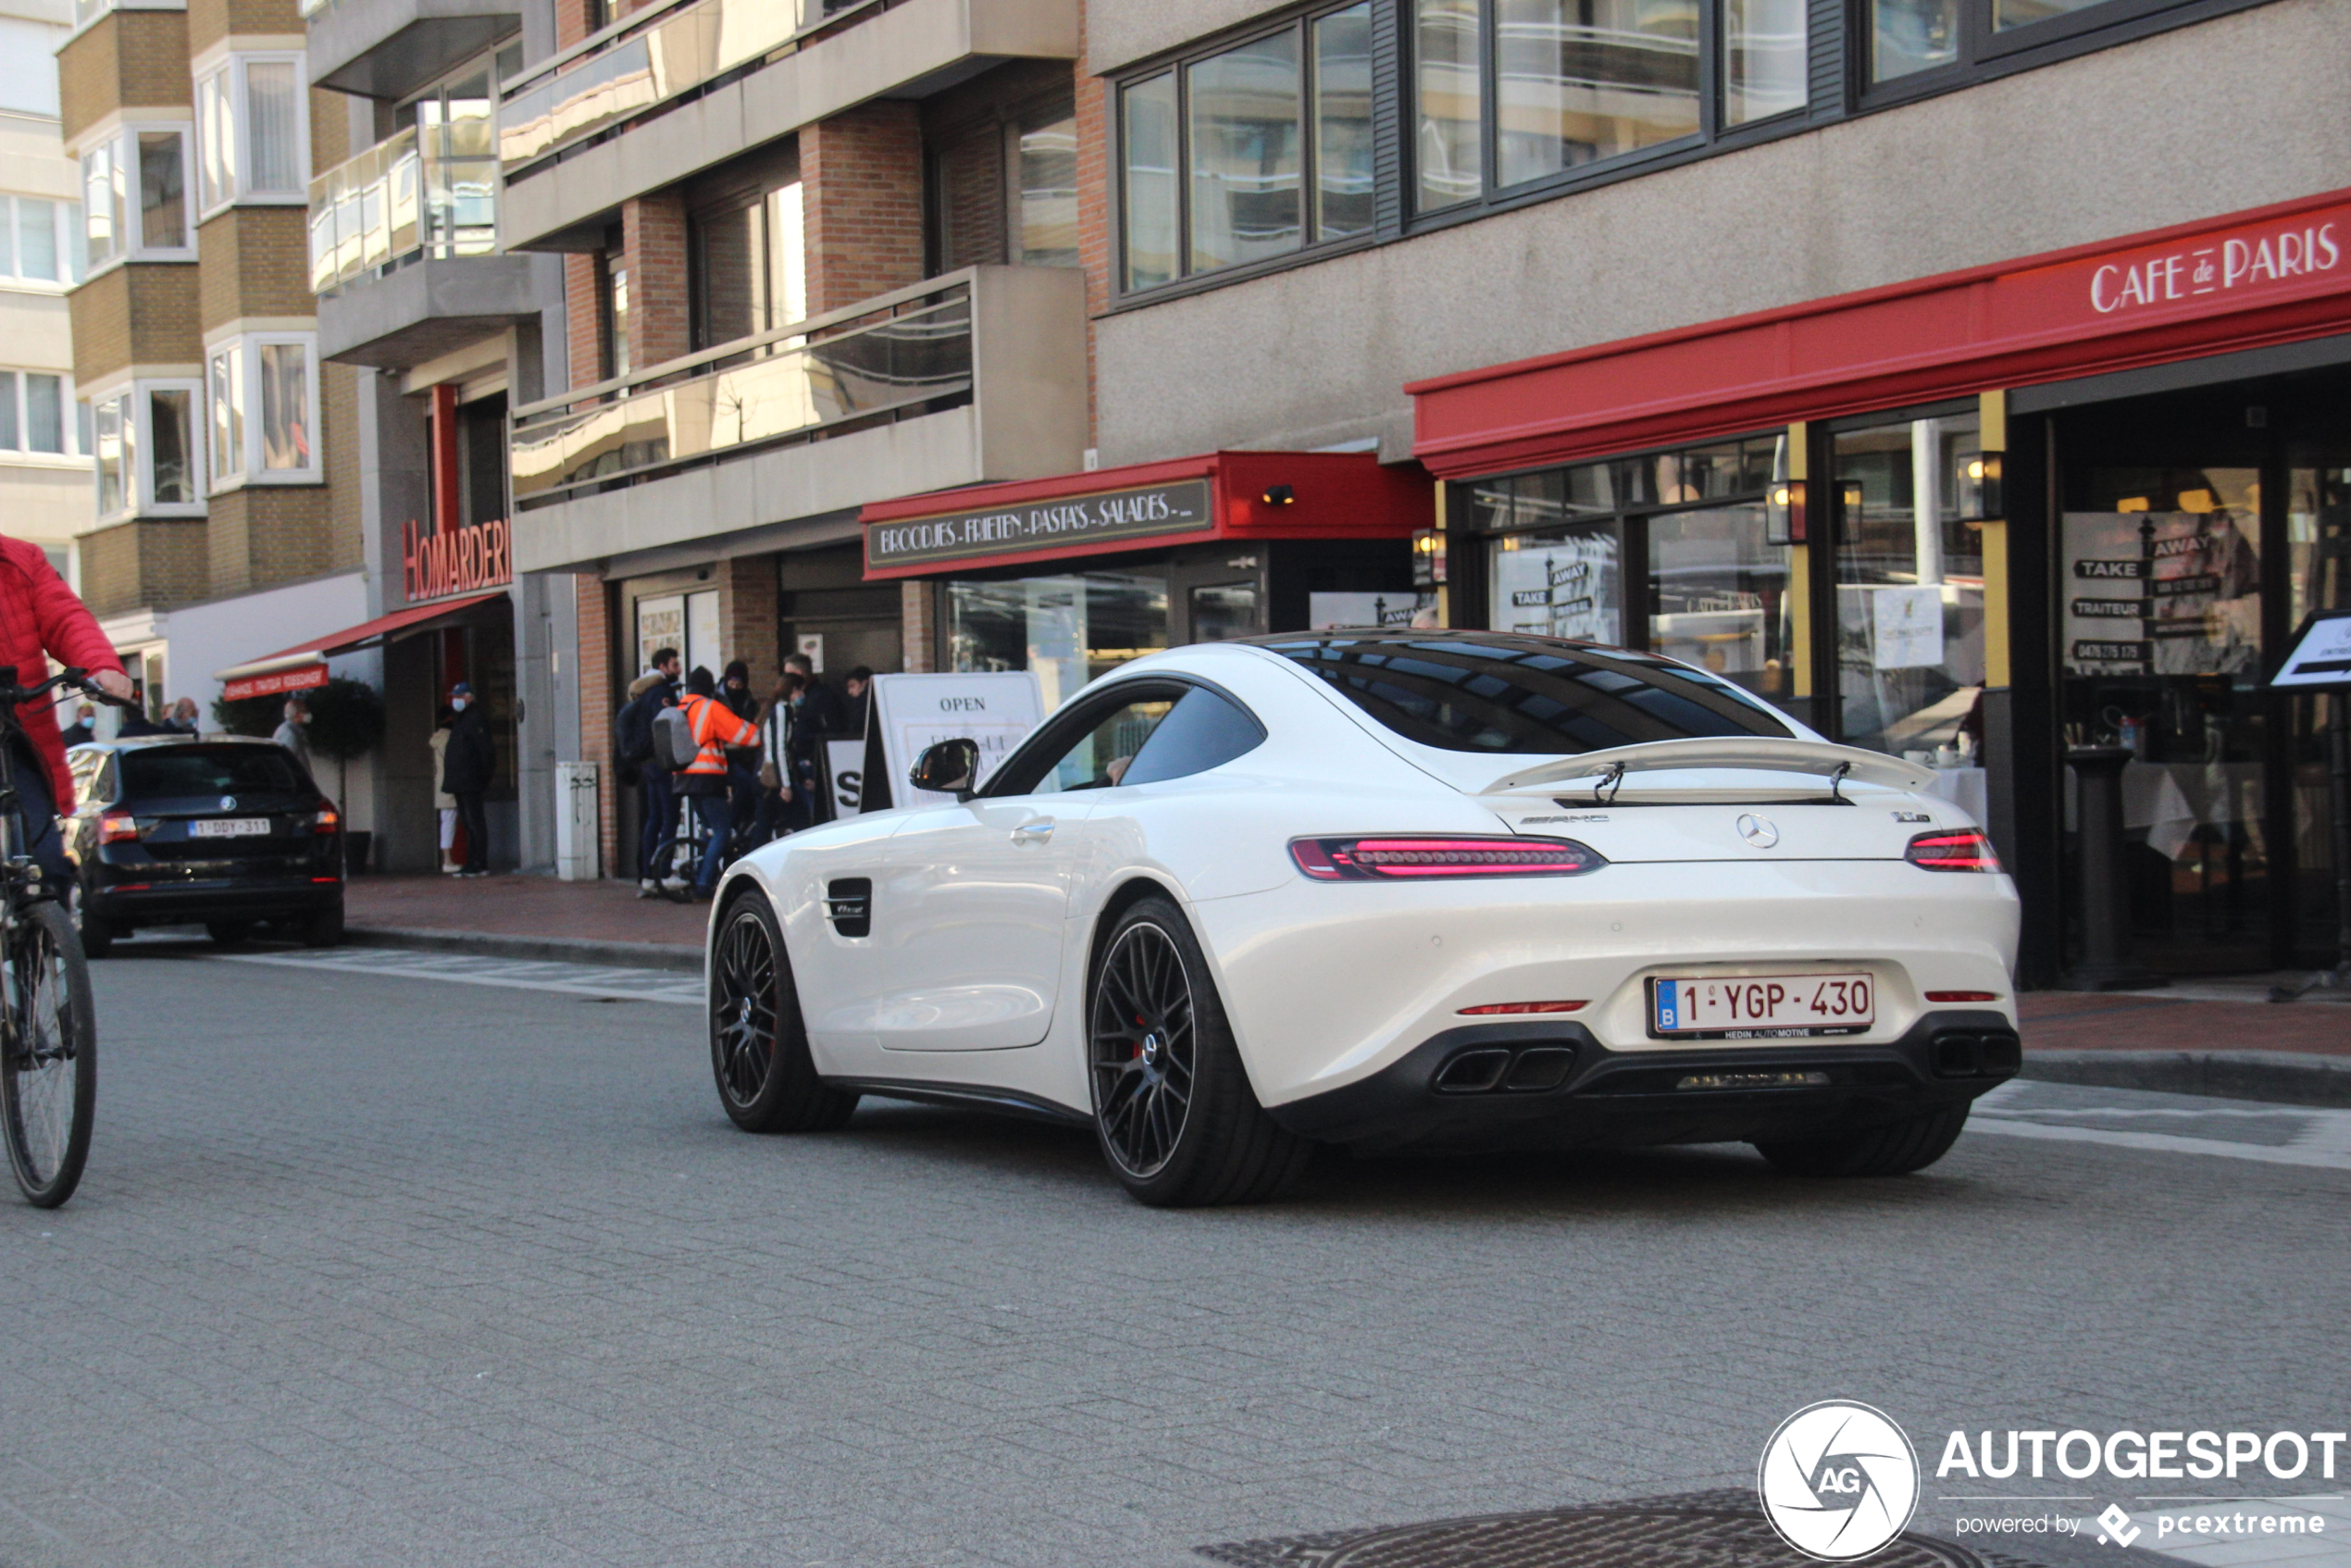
(1607,767)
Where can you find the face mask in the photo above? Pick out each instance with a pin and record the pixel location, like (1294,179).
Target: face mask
(457,705)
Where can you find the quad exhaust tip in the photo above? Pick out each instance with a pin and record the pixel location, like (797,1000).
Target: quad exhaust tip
(1529,1069)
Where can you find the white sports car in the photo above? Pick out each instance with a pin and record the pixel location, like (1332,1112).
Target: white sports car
(1389,890)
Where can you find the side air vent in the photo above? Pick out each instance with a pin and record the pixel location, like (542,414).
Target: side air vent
(849,905)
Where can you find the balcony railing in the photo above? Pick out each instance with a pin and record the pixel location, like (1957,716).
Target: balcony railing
(433,192)
(901,352)
(653,55)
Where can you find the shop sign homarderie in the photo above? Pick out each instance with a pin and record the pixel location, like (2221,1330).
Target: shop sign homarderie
(456,561)
(1059,523)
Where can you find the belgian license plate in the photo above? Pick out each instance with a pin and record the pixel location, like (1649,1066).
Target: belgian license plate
(1761,1006)
(230,827)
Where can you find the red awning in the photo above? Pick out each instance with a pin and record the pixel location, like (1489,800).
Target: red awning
(2275,274)
(1216,496)
(305,663)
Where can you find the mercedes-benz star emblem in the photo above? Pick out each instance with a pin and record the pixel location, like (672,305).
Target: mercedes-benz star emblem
(1758,831)
(227,803)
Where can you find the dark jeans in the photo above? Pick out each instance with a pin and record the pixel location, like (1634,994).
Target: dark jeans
(717,818)
(475,823)
(661,819)
(37,806)
(769,817)
(742,793)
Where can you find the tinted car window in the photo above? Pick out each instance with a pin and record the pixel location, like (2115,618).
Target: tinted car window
(211,770)
(1532,696)
(1200,732)
(1107,748)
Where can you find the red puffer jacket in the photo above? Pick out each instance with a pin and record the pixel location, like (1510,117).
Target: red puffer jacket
(39,615)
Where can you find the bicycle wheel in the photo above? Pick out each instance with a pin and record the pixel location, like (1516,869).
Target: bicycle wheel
(48,1055)
(683,857)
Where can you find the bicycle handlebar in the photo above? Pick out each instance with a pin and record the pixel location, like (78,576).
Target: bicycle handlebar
(74,676)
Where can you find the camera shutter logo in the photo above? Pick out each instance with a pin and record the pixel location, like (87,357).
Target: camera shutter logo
(1838,1480)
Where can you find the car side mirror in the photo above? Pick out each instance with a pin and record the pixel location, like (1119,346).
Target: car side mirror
(946,768)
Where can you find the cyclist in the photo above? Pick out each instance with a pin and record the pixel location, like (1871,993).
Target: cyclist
(41,619)
(704,782)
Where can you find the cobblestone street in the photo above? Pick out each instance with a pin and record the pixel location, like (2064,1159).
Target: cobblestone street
(373,1268)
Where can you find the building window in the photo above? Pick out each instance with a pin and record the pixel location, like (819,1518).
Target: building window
(134,196)
(1045,168)
(1576,82)
(40,240)
(749,270)
(143,438)
(612,315)
(1253,127)
(1909,580)
(1909,39)
(32,413)
(252,132)
(261,410)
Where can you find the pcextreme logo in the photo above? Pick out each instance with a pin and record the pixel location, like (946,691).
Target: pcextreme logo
(1838,1480)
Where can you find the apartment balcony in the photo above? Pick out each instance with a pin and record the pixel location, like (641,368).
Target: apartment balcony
(673,89)
(977,375)
(402,241)
(389,48)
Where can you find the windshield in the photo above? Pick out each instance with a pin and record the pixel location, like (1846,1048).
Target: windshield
(1524,695)
(209,770)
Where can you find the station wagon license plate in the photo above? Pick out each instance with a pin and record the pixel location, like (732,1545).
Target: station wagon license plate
(230,827)
(1761,1006)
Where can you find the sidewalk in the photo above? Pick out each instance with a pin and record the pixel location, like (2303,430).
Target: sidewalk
(2212,1037)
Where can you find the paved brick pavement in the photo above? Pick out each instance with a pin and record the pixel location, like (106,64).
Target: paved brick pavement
(521,905)
(372,1269)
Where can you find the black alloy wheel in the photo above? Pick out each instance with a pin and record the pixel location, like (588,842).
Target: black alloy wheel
(742,1008)
(1145,1050)
(1174,1109)
(758,1045)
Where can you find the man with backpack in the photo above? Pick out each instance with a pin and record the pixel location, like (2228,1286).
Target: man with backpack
(710,728)
(633,758)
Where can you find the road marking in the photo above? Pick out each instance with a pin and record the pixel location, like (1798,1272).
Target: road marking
(2279,1135)
(570,979)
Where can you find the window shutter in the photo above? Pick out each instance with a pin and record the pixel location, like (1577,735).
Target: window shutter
(1389,112)
(1830,24)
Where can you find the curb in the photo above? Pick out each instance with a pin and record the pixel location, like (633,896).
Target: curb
(2288,1076)
(668,956)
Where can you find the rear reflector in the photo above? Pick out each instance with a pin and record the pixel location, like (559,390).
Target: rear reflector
(1964,850)
(1406,859)
(1963,996)
(1492,1008)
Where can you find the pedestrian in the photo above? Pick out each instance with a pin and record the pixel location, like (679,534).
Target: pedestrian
(704,780)
(633,754)
(184,718)
(80,733)
(467,766)
(742,761)
(818,716)
(289,731)
(859,689)
(136,723)
(444,804)
(774,815)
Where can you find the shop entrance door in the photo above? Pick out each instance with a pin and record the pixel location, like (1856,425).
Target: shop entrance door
(2195,532)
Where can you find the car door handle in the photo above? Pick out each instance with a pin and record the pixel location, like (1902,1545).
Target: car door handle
(1032,833)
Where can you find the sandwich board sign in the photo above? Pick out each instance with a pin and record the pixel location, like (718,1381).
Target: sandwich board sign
(2320,657)
(911,712)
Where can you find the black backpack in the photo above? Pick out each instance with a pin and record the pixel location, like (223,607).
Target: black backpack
(632,731)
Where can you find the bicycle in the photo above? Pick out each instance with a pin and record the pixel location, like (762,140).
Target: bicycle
(48,1024)
(681,853)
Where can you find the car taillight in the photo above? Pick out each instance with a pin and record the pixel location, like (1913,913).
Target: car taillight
(1494,1009)
(324,821)
(1963,996)
(118,827)
(1963,851)
(1400,859)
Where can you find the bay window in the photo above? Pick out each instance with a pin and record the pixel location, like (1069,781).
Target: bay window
(144,438)
(261,410)
(252,132)
(134,196)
